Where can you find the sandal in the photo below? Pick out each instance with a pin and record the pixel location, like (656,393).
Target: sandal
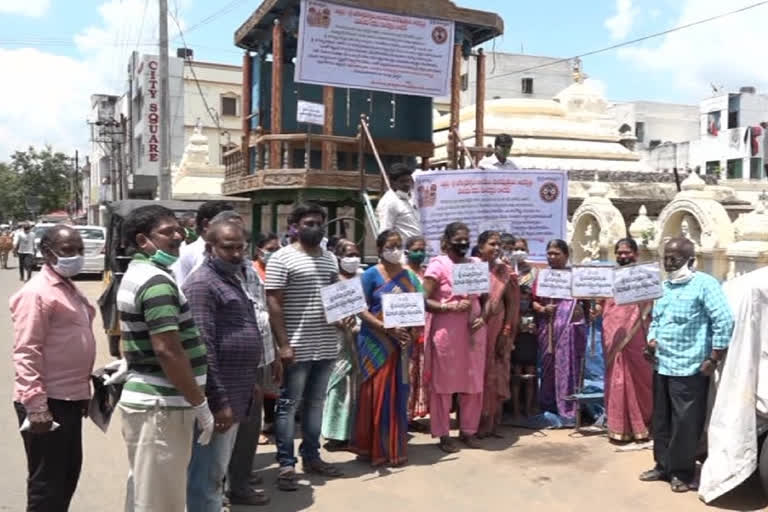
(286,480)
(333,445)
(678,485)
(319,467)
(471,442)
(447,445)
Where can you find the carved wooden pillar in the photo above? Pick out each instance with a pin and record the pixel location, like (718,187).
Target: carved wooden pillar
(277,93)
(480,100)
(329,149)
(245,109)
(453,143)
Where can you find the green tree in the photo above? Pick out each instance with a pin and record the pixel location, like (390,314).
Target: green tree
(46,175)
(11,196)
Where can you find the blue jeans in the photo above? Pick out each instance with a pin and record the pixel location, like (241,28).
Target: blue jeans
(306,382)
(207,469)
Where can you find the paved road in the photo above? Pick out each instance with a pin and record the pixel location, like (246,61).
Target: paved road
(552,471)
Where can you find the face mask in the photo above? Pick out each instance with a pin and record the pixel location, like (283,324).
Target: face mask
(681,275)
(417,257)
(224,267)
(461,248)
(623,261)
(190,235)
(266,255)
(349,264)
(519,256)
(68,267)
(311,236)
(393,256)
(405,196)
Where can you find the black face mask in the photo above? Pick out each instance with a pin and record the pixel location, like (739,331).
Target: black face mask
(623,261)
(460,248)
(311,236)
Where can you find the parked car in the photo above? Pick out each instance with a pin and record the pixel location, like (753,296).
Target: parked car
(94,239)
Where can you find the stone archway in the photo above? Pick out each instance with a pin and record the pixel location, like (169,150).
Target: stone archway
(597,226)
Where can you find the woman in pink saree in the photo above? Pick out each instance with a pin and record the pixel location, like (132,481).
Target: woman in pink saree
(628,376)
(500,311)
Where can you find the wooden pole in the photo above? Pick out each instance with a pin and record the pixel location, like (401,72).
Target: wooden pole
(480,100)
(245,111)
(328,147)
(277,94)
(453,145)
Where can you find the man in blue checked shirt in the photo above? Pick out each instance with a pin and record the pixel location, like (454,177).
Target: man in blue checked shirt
(689,334)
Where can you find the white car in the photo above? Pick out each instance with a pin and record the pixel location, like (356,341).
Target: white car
(94,239)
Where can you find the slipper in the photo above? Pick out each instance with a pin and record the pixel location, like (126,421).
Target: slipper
(319,467)
(264,439)
(447,445)
(678,485)
(286,480)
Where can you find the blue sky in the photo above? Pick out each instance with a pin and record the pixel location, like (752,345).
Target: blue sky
(61,51)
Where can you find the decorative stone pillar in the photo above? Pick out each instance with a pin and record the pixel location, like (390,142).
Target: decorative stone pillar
(597,226)
(644,230)
(750,249)
(696,214)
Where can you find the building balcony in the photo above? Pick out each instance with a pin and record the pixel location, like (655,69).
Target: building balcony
(310,161)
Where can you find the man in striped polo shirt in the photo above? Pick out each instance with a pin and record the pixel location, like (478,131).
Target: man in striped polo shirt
(163,393)
(308,344)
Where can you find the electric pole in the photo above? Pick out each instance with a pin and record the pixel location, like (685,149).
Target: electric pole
(165,110)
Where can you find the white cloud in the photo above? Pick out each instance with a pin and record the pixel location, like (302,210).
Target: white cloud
(48,99)
(720,52)
(620,24)
(32,8)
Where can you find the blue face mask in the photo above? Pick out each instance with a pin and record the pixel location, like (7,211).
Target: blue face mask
(226,268)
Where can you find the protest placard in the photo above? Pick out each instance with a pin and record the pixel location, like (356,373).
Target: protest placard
(471,279)
(403,310)
(554,283)
(343,45)
(343,299)
(592,282)
(637,283)
(532,204)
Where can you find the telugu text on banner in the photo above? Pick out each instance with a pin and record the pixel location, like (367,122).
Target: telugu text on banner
(344,46)
(532,204)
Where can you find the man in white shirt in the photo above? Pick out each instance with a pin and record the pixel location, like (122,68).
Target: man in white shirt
(500,157)
(24,250)
(396,209)
(192,255)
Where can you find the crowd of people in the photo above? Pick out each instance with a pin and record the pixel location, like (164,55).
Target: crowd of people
(223,331)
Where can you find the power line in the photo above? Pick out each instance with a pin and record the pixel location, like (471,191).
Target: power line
(187,58)
(141,27)
(633,41)
(224,10)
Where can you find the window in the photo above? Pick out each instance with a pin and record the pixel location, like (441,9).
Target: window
(734,170)
(713,168)
(228,106)
(734,105)
(139,152)
(756,168)
(464,81)
(640,131)
(527,85)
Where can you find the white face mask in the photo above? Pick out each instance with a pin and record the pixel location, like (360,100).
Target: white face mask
(349,264)
(68,267)
(681,275)
(405,196)
(519,256)
(392,255)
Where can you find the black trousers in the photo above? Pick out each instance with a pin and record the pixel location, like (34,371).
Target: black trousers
(679,412)
(26,261)
(54,458)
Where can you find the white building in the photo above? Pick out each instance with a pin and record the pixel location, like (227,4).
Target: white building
(654,123)
(204,92)
(104,160)
(508,76)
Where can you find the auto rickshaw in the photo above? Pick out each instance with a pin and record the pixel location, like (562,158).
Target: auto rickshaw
(117,260)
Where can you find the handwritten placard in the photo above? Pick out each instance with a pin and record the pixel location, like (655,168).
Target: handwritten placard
(592,282)
(554,283)
(403,310)
(310,113)
(471,279)
(637,283)
(343,299)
